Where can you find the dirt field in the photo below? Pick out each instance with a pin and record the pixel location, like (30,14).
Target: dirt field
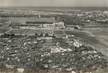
(101,35)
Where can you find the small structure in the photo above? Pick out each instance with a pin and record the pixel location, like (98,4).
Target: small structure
(20,70)
(59,34)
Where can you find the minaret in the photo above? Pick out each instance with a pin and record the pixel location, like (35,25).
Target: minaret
(39,16)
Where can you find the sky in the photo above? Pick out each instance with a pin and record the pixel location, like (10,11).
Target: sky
(53,3)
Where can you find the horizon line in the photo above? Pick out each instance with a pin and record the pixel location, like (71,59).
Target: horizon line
(55,6)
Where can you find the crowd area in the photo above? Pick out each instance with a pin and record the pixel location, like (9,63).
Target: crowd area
(55,53)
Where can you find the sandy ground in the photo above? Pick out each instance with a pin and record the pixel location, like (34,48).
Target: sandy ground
(101,36)
(97,37)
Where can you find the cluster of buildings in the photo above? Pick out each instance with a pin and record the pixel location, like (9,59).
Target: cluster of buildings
(36,47)
(39,23)
(34,25)
(57,54)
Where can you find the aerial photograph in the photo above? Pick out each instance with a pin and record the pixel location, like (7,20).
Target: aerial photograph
(53,36)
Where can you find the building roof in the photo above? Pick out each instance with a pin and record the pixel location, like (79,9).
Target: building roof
(42,20)
(28,31)
(24,32)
